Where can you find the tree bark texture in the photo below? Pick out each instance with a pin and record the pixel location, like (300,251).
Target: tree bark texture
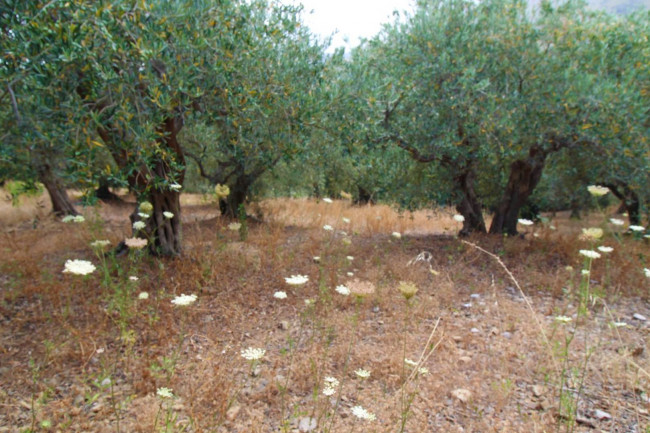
(469,206)
(61,204)
(524,176)
(629,200)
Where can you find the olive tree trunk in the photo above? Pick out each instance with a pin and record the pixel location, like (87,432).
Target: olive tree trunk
(469,206)
(61,204)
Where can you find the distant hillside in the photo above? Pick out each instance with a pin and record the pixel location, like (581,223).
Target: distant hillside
(620,6)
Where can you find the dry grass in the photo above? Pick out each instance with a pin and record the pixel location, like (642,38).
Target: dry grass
(80,354)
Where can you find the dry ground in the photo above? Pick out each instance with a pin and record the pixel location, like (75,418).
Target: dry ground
(84,354)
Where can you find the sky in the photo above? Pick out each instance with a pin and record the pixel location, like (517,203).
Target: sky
(350,19)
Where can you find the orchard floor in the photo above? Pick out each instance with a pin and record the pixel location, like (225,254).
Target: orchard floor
(85,354)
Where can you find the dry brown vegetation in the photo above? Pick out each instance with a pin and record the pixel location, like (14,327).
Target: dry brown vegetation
(84,354)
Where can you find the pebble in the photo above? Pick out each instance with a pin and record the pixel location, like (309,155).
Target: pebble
(307,424)
(467,305)
(601,414)
(284,325)
(507,334)
(475,296)
(475,330)
(232,413)
(462,394)
(640,317)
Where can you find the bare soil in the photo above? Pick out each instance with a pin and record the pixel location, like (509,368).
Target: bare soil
(85,354)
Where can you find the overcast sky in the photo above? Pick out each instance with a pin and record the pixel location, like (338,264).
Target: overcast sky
(351,19)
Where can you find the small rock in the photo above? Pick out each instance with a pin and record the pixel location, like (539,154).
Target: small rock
(601,414)
(465,359)
(284,325)
(474,330)
(640,317)
(462,394)
(538,390)
(256,371)
(307,424)
(507,334)
(467,305)
(474,296)
(375,309)
(232,413)
(106,382)
(494,330)
(457,338)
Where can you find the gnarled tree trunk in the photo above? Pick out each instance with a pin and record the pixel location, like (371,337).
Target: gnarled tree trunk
(61,204)
(629,200)
(524,177)
(469,206)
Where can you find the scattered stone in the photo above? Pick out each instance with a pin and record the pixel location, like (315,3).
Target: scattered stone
(640,317)
(256,371)
(494,330)
(375,309)
(307,424)
(457,338)
(462,394)
(474,330)
(538,390)
(475,296)
(507,334)
(232,412)
(467,305)
(465,359)
(284,325)
(601,414)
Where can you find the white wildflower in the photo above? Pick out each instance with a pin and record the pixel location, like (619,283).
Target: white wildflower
(346,220)
(133,278)
(135,243)
(396,235)
(164,393)
(296,280)
(562,319)
(593,233)
(646,271)
(139,225)
(234,226)
(184,300)
(585,272)
(423,371)
(525,222)
(143,295)
(175,187)
(637,228)
(350,258)
(361,413)
(410,362)
(316,259)
(253,354)
(328,228)
(350,274)
(459,218)
(168,215)
(616,221)
(590,253)
(73,219)
(100,244)
(79,267)
(597,190)
(328,200)
(143,215)
(362,373)
(280,295)
(604,249)
(342,290)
